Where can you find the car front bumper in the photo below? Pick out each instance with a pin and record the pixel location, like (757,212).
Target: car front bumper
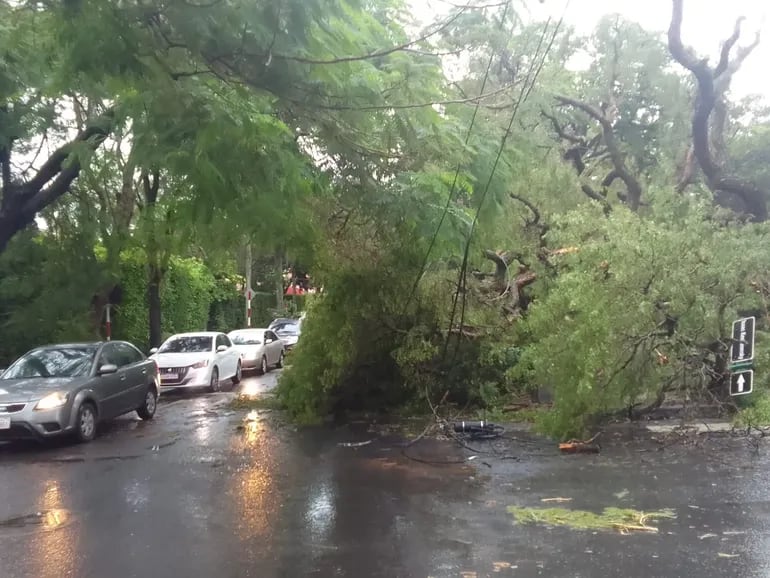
(191,378)
(29,423)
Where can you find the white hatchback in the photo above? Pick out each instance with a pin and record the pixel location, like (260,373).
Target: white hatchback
(197,360)
(259,348)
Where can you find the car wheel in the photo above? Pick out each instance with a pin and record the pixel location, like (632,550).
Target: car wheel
(214,385)
(85,424)
(280,360)
(147,410)
(263,368)
(238,374)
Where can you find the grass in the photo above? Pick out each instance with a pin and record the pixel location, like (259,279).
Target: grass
(619,519)
(755,411)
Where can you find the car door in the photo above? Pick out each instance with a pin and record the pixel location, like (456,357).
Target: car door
(108,388)
(137,376)
(224,358)
(233,353)
(274,347)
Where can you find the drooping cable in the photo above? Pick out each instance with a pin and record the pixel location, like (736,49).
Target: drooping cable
(532,74)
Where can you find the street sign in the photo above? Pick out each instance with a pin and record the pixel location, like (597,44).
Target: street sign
(742,350)
(742,382)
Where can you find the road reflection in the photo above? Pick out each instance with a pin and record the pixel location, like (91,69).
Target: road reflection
(253,487)
(53,547)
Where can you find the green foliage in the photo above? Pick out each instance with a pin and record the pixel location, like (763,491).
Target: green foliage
(187,295)
(756,411)
(300,128)
(45,293)
(637,309)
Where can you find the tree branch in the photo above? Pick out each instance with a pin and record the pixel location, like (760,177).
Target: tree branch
(724,56)
(704,103)
(93,135)
(633,188)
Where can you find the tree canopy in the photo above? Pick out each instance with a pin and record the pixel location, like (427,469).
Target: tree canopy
(484,220)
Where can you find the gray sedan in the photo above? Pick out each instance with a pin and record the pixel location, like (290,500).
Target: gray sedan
(68,389)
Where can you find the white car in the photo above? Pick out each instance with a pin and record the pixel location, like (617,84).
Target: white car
(259,348)
(197,360)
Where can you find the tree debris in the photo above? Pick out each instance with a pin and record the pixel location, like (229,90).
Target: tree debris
(621,520)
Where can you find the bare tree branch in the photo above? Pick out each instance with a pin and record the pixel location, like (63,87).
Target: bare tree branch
(633,188)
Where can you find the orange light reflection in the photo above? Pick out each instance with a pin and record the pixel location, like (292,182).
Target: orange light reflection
(53,545)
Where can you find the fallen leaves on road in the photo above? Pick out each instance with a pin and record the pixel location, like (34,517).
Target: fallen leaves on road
(723,555)
(500,566)
(619,519)
(707,536)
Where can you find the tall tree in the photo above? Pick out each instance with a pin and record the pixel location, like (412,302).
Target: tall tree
(710,117)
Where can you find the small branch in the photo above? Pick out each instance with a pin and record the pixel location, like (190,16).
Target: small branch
(535,212)
(724,57)
(379,53)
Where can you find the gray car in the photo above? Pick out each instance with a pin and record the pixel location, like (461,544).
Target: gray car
(68,389)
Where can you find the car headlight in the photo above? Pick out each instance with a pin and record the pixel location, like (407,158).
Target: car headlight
(200,364)
(52,400)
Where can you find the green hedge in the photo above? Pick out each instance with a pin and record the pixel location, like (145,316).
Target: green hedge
(45,293)
(187,294)
(46,287)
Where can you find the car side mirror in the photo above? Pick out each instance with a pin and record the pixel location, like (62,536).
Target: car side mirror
(108,369)
(153,351)
(268,341)
(222,348)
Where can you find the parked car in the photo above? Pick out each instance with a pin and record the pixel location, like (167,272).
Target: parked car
(197,360)
(288,330)
(259,348)
(68,389)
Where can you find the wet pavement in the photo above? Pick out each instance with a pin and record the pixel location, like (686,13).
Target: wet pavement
(199,492)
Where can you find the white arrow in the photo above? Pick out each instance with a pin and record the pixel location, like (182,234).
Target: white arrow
(741,382)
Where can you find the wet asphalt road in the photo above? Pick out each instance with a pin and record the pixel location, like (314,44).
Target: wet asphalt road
(200,492)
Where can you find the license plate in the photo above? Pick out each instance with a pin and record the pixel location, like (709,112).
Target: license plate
(5,422)
(169,377)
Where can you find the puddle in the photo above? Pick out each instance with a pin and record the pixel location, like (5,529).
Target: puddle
(45,521)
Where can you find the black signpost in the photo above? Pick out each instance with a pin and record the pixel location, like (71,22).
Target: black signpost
(742,350)
(742,382)
(742,356)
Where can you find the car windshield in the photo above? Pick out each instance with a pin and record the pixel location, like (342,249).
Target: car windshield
(252,338)
(287,328)
(53,362)
(188,344)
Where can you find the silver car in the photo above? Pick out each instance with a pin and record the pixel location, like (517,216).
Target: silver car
(68,389)
(259,349)
(287,330)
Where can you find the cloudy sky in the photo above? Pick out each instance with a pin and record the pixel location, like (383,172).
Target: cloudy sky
(706,24)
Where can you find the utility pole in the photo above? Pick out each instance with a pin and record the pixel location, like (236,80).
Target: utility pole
(247,288)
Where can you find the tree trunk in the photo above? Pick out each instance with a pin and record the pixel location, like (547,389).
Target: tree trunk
(279,282)
(731,191)
(155,272)
(153,303)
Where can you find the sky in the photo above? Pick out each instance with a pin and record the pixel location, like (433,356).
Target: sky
(706,23)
